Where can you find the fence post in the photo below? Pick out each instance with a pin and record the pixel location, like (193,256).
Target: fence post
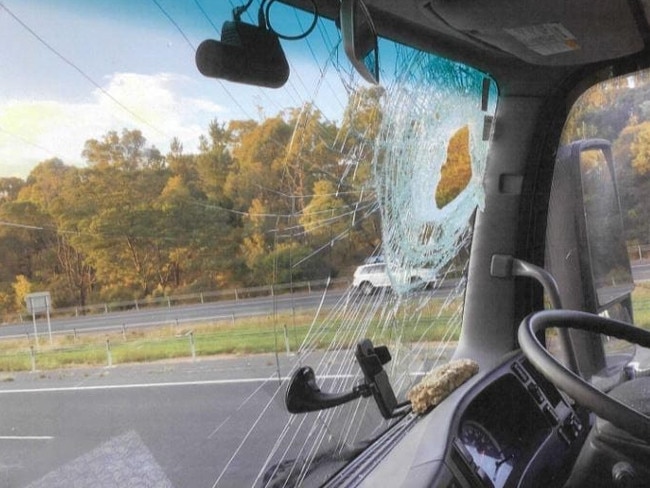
(201,297)
(192,346)
(32,356)
(109,355)
(286,340)
(124,332)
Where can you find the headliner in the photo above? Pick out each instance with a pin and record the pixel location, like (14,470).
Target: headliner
(529,46)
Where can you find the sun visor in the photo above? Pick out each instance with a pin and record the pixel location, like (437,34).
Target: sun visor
(560,32)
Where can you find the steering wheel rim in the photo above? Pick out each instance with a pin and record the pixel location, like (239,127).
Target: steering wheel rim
(585,394)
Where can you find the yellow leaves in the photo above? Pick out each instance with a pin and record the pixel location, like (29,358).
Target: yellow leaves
(22,287)
(641,150)
(175,190)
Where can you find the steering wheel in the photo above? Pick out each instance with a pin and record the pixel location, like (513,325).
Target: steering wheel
(606,407)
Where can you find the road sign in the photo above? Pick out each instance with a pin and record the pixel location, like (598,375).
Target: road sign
(39,302)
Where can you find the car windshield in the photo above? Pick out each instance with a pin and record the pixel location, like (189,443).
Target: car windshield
(175,247)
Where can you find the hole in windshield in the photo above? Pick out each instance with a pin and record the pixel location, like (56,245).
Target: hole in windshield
(456,173)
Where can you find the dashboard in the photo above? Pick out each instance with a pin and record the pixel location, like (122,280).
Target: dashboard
(518,429)
(504,428)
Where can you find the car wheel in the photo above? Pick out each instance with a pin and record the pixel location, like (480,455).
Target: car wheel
(417,283)
(366,288)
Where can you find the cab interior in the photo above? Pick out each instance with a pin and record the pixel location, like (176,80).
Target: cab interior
(525,258)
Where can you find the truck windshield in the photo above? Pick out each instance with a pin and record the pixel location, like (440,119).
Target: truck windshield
(416,149)
(150,213)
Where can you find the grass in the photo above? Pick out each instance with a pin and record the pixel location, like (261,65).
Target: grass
(641,304)
(255,335)
(246,336)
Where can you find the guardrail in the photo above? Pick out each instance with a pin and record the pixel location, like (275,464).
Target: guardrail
(639,252)
(194,298)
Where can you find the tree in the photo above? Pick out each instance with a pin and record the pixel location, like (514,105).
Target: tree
(640,148)
(254,174)
(120,231)
(127,152)
(214,162)
(630,152)
(9,188)
(22,287)
(27,239)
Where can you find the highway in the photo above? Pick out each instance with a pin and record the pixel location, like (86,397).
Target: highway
(222,310)
(165,425)
(159,425)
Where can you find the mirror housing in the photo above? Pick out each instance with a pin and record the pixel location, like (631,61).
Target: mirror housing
(246,54)
(607,274)
(360,39)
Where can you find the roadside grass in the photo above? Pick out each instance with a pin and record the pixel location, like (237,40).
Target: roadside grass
(641,304)
(277,333)
(273,333)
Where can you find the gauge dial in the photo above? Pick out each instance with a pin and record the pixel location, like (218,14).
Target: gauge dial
(479,442)
(486,452)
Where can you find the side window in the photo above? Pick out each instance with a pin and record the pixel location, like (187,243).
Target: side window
(598,229)
(616,112)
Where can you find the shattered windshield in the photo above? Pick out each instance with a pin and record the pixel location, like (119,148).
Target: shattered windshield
(176,247)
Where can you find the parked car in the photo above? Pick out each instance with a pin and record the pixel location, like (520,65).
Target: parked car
(369,277)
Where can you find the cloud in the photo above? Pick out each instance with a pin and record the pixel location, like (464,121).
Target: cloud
(162,106)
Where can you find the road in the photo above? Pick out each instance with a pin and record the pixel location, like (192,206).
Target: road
(164,425)
(230,309)
(169,425)
(641,270)
(161,425)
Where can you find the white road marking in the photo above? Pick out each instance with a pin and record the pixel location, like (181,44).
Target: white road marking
(26,437)
(156,385)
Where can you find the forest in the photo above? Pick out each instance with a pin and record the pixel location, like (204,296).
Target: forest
(281,200)
(284,199)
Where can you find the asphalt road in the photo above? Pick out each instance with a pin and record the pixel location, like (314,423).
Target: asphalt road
(229,310)
(641,270)
(161,425)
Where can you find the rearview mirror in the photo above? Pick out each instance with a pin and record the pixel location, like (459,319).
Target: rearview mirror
(360,39)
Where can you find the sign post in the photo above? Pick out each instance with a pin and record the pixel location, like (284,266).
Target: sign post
(39,302)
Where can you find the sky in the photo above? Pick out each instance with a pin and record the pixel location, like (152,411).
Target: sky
(76,69)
